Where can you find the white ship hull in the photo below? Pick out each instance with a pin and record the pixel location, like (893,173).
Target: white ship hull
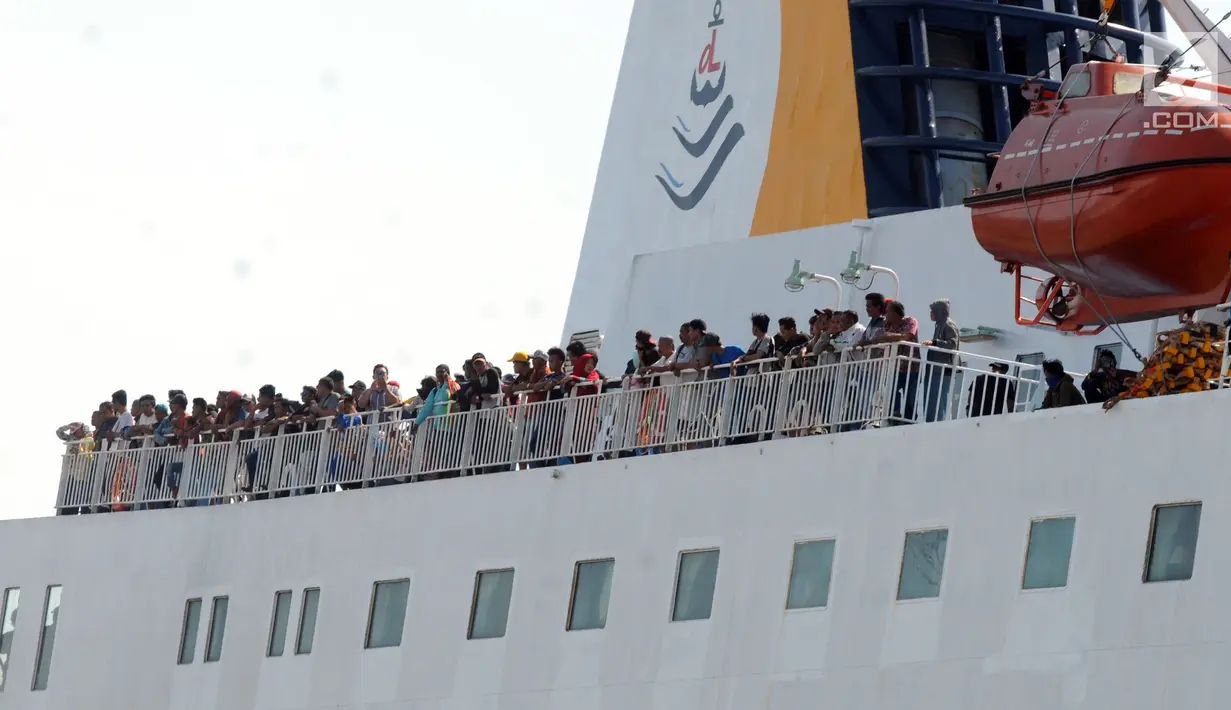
(1104,640)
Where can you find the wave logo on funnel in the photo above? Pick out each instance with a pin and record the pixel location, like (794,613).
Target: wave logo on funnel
(708,83)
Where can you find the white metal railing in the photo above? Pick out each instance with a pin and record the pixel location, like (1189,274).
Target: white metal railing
(860,388)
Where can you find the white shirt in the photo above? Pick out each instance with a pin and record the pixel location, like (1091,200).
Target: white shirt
(684,353)
(848,337)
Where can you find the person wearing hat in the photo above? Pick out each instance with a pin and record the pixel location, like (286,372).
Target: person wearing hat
(519,380)
(1106,380)
(718,357)
(73,432)
(485,391)
(992,393)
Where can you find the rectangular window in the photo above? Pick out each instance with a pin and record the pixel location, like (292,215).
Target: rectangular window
(489,610)
(694,585)
(811,568)
(12,598)
(1173,542)
(1116,349)
(1031,389)
(188,634)
(47,638)
(278,625)
(1048,552)
(307,621)
(217,628)
(387,614)
(591,592)
(923,564)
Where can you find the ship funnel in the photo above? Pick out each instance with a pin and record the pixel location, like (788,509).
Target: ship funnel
(795,282)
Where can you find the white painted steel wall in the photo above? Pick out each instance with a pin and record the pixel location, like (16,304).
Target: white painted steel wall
(629,212)
(934,252)
(1105,641)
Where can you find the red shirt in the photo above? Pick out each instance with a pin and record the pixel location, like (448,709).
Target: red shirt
(535,378)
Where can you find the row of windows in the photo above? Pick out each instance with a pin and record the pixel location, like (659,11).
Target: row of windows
(1169,556)
(46,638)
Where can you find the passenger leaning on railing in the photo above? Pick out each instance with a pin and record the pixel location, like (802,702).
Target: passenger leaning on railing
(439,402)
(124,422)
(875,306)
(641,377)
(717,357)
(584,369)
(521,378)
(850,331)
(762,346)
(940,364)
(901,328)
(789,341)
(484,390)
(686,361)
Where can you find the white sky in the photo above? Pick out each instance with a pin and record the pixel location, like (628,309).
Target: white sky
(218,194)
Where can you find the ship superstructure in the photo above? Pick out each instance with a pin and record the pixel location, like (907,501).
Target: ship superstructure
(870,530)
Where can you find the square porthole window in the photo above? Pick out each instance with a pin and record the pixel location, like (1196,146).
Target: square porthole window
(489,610)
(591,593)
(1173,542)
(811,568)
(923,564)
(279,624)
(1048,553)
(387,614)
(188,633)
(307,621)
(695,579)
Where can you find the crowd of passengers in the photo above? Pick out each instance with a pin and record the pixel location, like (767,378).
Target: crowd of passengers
(555,374)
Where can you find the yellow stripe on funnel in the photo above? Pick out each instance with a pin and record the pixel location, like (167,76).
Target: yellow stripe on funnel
(814,175)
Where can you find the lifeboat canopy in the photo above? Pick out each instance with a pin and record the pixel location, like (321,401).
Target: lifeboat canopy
(1113,190)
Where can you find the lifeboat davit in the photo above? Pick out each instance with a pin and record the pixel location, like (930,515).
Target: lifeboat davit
(1117,188)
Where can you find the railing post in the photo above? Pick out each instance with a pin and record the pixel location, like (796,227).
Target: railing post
(517,435)
(143,458)
(570,422)
(188,473)
(369,453)
(66,466)
(324,456)
(724,412)
(782,406)
(418,434)
(277,463)
(467,440)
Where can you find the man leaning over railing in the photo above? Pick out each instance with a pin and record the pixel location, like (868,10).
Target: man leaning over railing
(901,328)
(940,364)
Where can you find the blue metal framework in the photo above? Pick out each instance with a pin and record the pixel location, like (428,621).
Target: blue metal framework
(894,75)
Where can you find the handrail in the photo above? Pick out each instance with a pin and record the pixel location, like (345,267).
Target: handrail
(885,385)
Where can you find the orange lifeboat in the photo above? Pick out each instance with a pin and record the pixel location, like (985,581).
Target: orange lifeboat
(1117,189)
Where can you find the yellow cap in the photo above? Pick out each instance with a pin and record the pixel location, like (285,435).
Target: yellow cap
(519,357)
